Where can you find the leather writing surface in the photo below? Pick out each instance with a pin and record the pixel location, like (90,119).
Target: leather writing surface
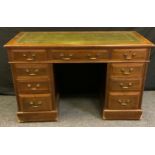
(78,38)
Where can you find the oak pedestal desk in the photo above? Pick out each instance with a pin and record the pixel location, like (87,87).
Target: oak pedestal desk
(32,55)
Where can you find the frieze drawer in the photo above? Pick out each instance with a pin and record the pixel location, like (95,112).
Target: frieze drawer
(78,55)
(27,55)
(130,54)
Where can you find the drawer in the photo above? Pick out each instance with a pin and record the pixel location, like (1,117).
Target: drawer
(33,87)
(124,100)
(31,70)
(28,55)
(127,69)
(68,55)
(32,103)
(130,54)
(121,84)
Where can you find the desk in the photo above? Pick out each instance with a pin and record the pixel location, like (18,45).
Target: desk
(33,54)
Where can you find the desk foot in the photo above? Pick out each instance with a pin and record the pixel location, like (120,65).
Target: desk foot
(37,116)
(122,114)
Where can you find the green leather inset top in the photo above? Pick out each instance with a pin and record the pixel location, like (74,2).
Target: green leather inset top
(78,38)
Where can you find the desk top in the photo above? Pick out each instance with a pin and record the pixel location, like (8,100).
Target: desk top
(79,39)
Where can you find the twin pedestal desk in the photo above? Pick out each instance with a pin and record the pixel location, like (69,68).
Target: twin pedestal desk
(33,54)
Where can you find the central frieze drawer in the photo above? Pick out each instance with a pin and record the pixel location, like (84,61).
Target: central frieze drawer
(130,54)
(120,84)
(68,55)
(28,55)
(32,103)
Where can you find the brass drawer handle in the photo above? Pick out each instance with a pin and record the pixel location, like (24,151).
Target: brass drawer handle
(63,57)
(29,58)
(29,85)
(33,88)
(126,86)
(124,102)
(32,73)
(129,56)
(127,72)
(91,58)
(35,104)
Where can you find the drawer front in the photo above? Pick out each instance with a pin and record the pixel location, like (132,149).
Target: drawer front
(127,69)
(32,103)
(124,100)
(28,55)
(130,54)
(33,70)
(120,84)
(69,55)
(33,87)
